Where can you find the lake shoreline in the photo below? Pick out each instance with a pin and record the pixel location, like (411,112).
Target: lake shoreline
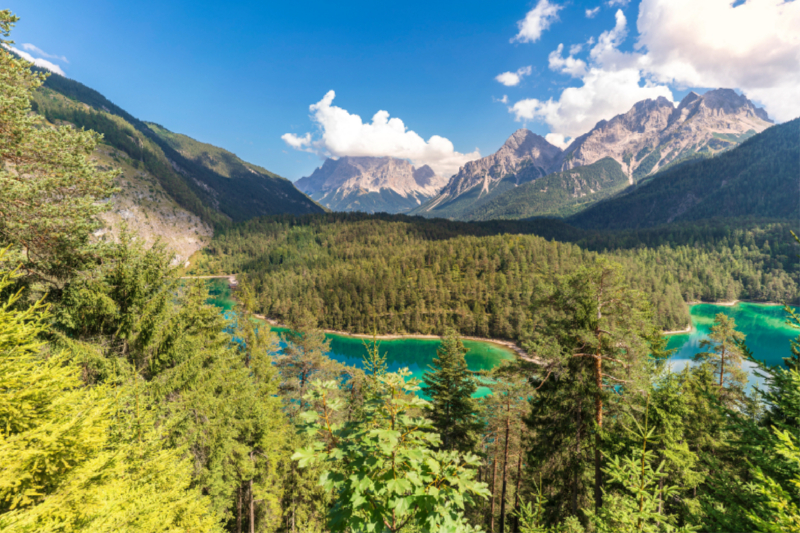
(511,346)
(732,303)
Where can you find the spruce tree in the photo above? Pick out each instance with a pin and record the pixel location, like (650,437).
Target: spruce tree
(50,190)
(450,386)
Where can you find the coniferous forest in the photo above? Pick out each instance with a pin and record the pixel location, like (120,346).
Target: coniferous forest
(129,404)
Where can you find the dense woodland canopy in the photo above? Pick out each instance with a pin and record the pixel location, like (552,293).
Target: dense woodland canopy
(127,403)
(482,279)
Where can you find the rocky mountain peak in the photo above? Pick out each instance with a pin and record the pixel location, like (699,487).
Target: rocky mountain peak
(425,176)
(368,183)
(524,142)
(654,133)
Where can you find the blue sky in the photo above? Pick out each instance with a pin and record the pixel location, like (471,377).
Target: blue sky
(243,74)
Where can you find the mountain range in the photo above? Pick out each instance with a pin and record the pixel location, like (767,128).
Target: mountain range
(649,138)
(655,164)
(371,184)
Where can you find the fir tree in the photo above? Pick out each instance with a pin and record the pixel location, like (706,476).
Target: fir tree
(50,190)
(450,386)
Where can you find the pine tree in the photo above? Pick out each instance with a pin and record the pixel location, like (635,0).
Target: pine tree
(74,458)
(725,356)
(450,386)
(50,190)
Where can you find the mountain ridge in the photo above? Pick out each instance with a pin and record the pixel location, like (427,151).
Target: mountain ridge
(371,184)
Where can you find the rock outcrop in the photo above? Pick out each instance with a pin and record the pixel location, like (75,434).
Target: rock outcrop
(371,184)
(655,133)
(523,157)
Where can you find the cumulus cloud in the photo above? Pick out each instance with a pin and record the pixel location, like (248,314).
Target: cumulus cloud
(569,65)
(39,52)
(39,62)
(510,79)
(556,139)
(604,93)
(592,13)
(754,46)
(611,82)
(536,21)
(345,134)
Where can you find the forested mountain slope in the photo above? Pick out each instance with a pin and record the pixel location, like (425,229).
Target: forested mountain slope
(217,192)
(557,195)
(757,179)
(479,277)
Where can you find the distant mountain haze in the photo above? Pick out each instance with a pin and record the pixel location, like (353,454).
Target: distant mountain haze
(371,184)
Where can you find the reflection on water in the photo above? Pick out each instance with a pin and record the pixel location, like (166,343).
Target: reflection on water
(767,334)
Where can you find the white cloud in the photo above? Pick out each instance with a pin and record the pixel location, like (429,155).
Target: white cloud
(556,139)
(503,100)
(297,142)
(569,65)
(510,79)
(754,47)
(620,3)
(606,49)
(345,134)
(575,49)
(610,84)
(39,52)
(536,21)
(43,63)
(592,13)
(604,93)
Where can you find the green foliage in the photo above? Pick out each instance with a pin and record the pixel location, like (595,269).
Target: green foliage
(82,459)
(757,178)
(439,274)
(381,468)
(450,386)
(782,501)
(636,505)
(726,356)
(559,194)
(50,191)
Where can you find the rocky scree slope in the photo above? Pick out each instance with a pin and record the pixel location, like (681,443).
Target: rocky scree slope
(371,184)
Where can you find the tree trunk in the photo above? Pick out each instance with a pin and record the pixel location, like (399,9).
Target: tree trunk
(239,509)
(494,484)
(252,510)
(519,482)
(576,481)
(598,404)
(505,472)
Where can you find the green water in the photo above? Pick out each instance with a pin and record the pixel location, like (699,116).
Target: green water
(767,334)
(414,354)
(219,294)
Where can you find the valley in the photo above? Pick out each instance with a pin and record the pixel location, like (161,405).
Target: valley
(411,338)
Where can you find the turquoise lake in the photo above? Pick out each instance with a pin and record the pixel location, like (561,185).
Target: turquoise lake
(411,353)
(765,327)
(767,335)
